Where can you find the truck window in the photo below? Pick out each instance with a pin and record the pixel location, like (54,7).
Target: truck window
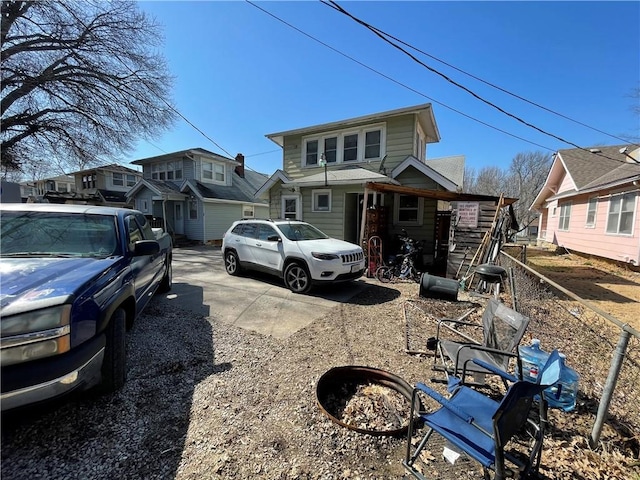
(134,232)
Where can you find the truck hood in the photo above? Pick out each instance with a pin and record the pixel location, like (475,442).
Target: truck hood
(30,279)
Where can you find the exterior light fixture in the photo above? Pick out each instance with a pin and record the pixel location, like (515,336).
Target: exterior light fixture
(323,163)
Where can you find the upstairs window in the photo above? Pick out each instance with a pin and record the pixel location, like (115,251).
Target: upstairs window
(621,214)
(166,171)
(361,145)
(213,171)
(89,180)
(120,179)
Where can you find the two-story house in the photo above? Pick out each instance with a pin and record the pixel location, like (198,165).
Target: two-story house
(590,202)
(197,193)
(105,185)
(35,190)
(327,168)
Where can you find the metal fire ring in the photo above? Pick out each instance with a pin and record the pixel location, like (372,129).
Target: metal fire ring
(334,379)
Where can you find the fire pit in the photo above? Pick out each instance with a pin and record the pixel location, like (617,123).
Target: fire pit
(367,400)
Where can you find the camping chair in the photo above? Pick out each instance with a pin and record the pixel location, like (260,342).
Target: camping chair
(482,428)
(502,330)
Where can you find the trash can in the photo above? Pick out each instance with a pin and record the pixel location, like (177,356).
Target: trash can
(432,286)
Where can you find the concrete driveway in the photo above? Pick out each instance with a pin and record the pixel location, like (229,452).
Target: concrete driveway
(253,301)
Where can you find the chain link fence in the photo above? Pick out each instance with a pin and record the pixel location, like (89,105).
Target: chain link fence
(605,352)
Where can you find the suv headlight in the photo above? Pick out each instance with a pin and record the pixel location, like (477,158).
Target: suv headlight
(36,334)
(324,256)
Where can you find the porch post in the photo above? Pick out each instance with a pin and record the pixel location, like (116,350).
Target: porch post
(364,214)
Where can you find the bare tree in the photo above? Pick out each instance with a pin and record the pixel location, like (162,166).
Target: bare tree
(80,80)
(491,181)
(527,174)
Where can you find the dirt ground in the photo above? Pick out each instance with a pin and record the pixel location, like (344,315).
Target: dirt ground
(610,286)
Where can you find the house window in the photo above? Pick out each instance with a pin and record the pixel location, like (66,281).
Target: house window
(193,209)
(213,171)
(142,205)
(248,211)
(118,179)
(592,207)
(565,217)
(372,144)
(621,213)
(321,201)
(350,150)
(89,180)
(291,207)
(311,152)
(408,210)
(331,149)
(165,171)
(62,188)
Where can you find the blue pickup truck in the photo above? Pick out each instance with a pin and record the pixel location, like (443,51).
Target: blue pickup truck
(73,278)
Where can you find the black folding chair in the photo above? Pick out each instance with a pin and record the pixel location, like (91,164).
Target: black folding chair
(482,428)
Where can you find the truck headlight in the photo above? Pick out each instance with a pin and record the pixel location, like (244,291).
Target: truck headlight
(36,320)
(37,334)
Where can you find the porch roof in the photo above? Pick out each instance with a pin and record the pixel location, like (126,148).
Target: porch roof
(436,194)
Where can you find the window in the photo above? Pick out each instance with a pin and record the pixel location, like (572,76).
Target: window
(360,145)
(592,207)
(290,206)
(331,149)
(213,171)
(621,214)
(265,232)
(62,188)
(408,210)
(372,144)
(248,211)
(565,216)
(164,171)
(135,234)
(193,209)
(89,180)
(311,152)
(118,179)
(142,205)
(321,200)
(350,151)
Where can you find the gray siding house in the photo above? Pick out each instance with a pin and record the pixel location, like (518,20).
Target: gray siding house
(327,167)
(198,194)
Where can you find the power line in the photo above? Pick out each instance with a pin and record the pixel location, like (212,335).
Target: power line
(497,87)
(383,36)
(396,81)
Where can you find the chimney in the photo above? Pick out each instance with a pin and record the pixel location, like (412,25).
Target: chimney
(240,168)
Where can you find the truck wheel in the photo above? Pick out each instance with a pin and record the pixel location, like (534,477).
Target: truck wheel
(232,263)
(297,278)
(114,365)
(167,280)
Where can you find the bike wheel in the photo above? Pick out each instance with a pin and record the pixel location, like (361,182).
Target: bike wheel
(383,274)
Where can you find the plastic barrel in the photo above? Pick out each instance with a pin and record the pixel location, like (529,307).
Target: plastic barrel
(438,287)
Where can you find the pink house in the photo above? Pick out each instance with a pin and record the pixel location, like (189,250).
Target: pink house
(590,202)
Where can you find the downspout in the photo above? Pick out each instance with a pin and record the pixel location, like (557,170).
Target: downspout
(204,226)
(164,213)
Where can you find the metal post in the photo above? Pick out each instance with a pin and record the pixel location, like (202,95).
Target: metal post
(609,387)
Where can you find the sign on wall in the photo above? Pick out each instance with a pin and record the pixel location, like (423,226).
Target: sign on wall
(468,214)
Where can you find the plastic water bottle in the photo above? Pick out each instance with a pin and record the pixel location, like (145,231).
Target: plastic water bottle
(533,358)
(563,393)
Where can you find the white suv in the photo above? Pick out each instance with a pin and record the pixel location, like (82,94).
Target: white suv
(296,251)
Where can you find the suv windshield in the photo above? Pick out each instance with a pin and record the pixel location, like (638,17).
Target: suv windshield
(56,234)
(301,231)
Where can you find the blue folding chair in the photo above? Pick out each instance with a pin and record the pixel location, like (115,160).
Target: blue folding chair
(481,427)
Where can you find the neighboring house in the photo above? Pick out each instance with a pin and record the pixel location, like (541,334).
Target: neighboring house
(589,202)
(106,185)
(327,168)
(35,190)
(198,193)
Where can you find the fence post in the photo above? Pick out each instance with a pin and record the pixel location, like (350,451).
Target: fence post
(609,387)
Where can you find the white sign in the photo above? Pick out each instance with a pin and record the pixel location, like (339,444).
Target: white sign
(468,214)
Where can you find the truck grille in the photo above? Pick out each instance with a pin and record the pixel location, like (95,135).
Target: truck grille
(352,257)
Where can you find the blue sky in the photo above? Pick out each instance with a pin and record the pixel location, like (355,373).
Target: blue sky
(242,74)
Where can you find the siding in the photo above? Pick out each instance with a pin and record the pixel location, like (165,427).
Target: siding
(595,240)
(220,216)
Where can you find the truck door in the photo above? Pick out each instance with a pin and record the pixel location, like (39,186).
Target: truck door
(144,267)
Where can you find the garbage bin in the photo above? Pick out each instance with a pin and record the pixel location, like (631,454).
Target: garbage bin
(432,286)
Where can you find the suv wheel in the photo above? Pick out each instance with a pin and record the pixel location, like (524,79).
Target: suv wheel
(231,263)
(297,278)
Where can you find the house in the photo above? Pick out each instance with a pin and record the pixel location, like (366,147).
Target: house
(589,202)
(106,185)
(198,194)
(327,168)
(35,190)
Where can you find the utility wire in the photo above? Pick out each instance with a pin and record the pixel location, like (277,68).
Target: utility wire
(396,81)
(382,36)
(497,87)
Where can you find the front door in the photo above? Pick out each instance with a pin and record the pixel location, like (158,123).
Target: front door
(178,218)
